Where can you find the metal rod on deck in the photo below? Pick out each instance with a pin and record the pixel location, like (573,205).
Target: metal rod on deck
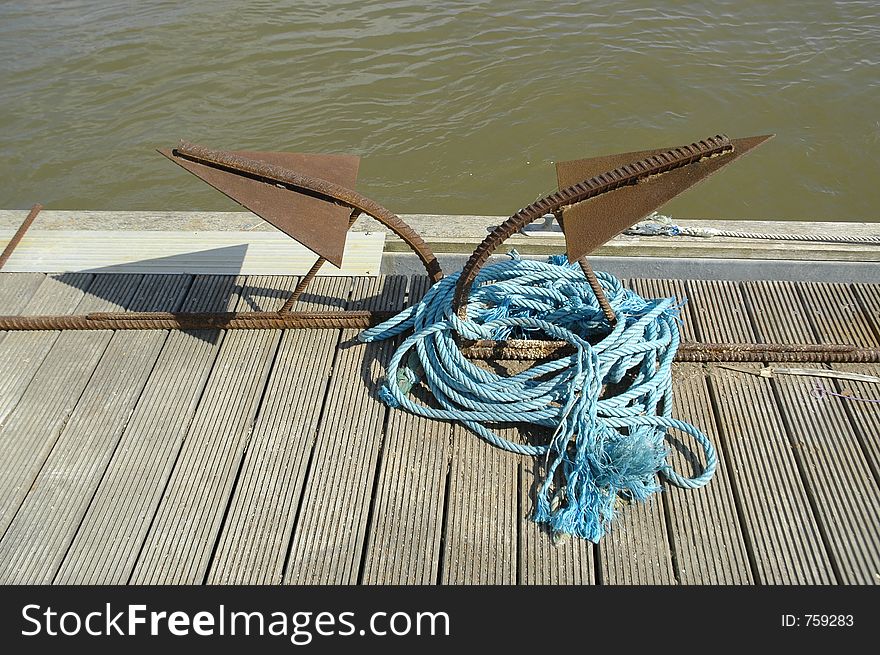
(313,271)
(19,233)
(512,349)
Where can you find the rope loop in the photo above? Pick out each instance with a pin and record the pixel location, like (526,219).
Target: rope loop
(605,409)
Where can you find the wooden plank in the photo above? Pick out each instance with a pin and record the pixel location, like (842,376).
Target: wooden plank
(403,541)
(704,551)
(719,312)
(181,541)
(543,560)
(57,294)
(777,313)
(868,296)
(785,544)
(707,537)
(838,478)
(16,289)
(864,416)
(256,535)
(428,225)
(43,528)
(155,251)
(830,454)
(635,550)
(107,544)
(30,431)
(329,535)
(836,314)
(482,515)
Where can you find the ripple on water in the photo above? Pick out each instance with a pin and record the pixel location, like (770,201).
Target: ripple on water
(456,106)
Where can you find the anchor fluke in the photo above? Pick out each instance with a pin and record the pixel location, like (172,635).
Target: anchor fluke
(318,223)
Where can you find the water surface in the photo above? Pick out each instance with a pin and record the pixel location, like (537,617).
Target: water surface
(455,106)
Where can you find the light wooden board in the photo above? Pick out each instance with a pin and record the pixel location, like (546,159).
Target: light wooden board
(837,477)
(39,535)
(542,559)
(832,460)
(111,535)
(181,541)
(30,430)
(482,514)
(703,551)
(219,253)
(835,314)
(16,289)
(864,414)
(785,544)
(255,538)
(55,295)
(330,531)
(406,525)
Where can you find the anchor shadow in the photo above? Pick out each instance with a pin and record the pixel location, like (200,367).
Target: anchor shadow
(199,281)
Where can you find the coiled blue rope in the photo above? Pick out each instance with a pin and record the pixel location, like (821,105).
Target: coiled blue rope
(608,404)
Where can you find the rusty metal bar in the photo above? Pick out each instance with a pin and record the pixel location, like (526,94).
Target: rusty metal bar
(198,321)
(528,350)
(512,349)
(313,271)
(590,274)
(620,177)
(593,281)
(19,233)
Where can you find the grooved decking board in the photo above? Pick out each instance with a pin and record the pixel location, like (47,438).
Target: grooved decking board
(785,543)
(705,551)
(16,289)
(719,312)
(541,560)
(781,526)
(482,514)
(838,478)
(403,540)
(864,416)
(636,549)
(256,535)
(705,530)
(29,432)
(836,473)
(57,294)
(113,529)
(868,296)
(836,313)
(41,531)
(330,532)
(771,301)
(184,533)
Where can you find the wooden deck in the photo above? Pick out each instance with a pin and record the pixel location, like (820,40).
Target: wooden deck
(264,456)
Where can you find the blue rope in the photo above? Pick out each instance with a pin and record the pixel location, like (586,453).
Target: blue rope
(607,405)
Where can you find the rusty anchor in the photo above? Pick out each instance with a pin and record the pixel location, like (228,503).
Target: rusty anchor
(310,198)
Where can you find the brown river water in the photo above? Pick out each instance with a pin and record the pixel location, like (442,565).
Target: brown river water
(455,106)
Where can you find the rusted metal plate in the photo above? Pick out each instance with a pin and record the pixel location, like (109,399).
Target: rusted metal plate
(591,223)
(318,224)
